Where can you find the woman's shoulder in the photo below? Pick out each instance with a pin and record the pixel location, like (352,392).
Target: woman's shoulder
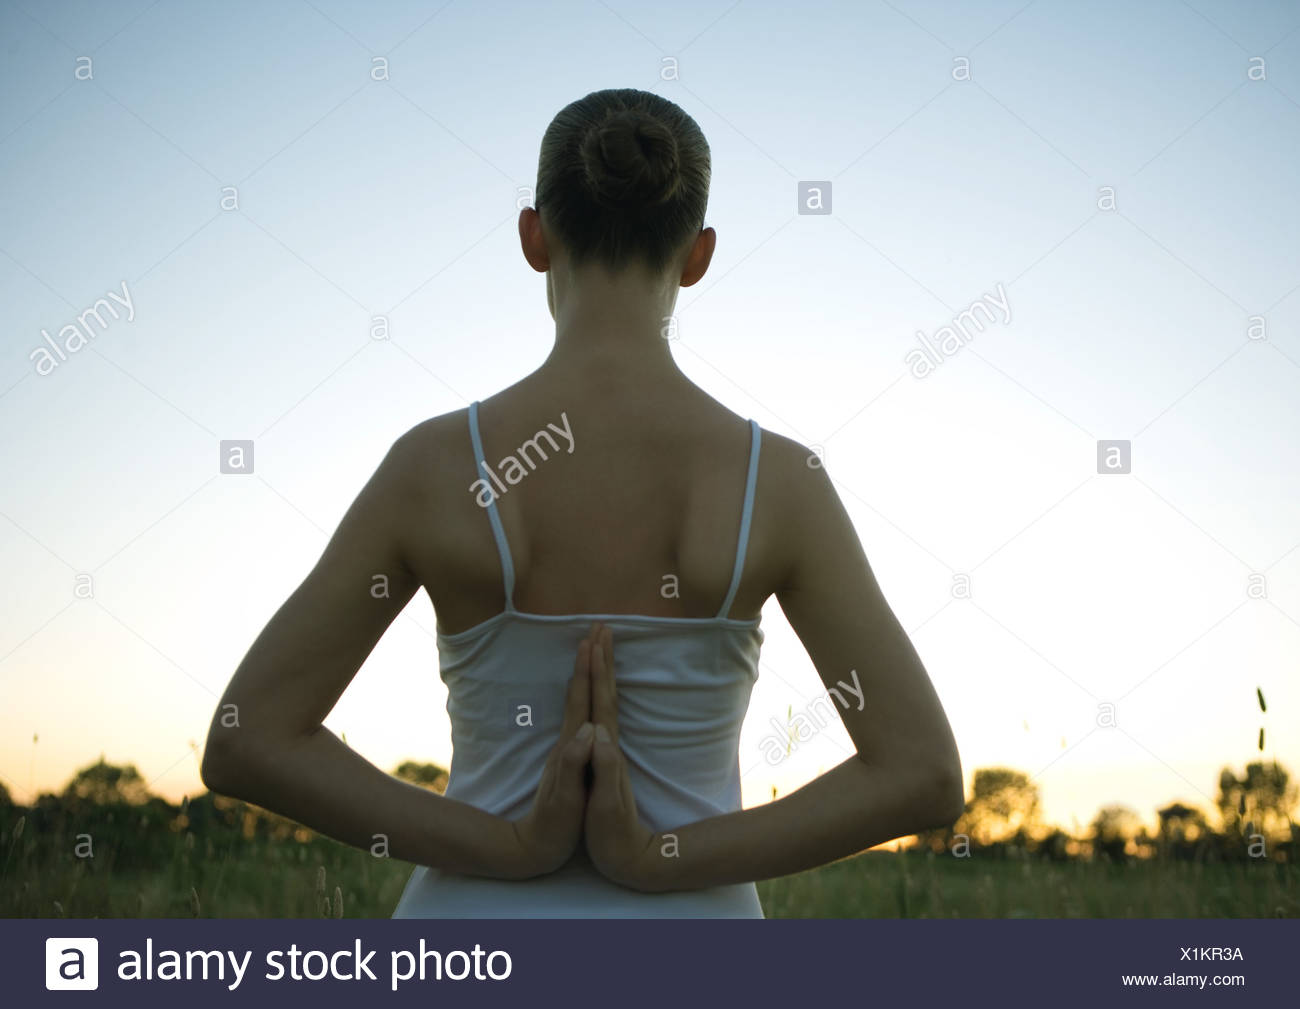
(439,434)
(423,456)
(783,459)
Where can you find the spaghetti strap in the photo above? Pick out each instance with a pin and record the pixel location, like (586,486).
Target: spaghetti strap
(498,531)
(746,514)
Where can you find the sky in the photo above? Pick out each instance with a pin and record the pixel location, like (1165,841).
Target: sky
(259,183)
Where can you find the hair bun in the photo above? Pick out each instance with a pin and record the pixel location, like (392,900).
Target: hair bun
(631,159)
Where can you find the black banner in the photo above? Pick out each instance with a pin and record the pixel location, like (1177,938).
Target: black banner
(649,963)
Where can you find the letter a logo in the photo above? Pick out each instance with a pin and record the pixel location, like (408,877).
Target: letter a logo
(72,964)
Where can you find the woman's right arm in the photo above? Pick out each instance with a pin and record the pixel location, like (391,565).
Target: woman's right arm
(906,775)
(268,744)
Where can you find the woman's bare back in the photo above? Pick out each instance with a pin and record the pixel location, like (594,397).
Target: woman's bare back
(623,498)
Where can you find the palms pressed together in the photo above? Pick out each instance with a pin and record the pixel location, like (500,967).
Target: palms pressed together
(565,810)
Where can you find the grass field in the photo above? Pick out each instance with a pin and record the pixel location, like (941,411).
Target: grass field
(283,879)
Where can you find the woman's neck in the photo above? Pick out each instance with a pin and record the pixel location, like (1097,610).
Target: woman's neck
(612,325)
(618,346)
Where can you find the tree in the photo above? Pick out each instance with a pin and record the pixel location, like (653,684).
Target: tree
(429,776)
(1258,802)
(1054,846)
(1114,826)
(1183,831)
(1003,802)
(103,784)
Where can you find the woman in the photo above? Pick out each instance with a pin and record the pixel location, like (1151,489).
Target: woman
(598,591)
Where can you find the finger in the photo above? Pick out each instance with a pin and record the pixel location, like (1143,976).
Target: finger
(604,695)
(626,797)
(569,777)
(577,751)
(577,700)
(607,771)
(546,783)
(604,784)
(620,778)
(612,724)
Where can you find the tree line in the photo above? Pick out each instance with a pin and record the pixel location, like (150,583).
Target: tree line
(1250,819)
(107,808)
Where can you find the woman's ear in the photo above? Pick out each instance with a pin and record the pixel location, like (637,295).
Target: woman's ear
(532,240)
(698,259)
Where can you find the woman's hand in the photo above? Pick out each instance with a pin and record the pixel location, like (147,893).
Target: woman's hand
(548,833)
(620,846)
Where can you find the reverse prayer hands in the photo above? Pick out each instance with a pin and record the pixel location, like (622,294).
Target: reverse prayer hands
(620,846)
(566,809)
(548,834)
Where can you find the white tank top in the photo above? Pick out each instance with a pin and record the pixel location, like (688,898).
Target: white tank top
(684,686)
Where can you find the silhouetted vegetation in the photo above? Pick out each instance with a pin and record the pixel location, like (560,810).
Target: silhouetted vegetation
(1001,820)
(105,847)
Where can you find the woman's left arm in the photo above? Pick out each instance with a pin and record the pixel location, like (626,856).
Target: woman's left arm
(267,744)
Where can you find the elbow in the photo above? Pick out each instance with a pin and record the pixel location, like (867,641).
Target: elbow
(224,763)
(233,750)
(236,760)
(217,768)
(946,798)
